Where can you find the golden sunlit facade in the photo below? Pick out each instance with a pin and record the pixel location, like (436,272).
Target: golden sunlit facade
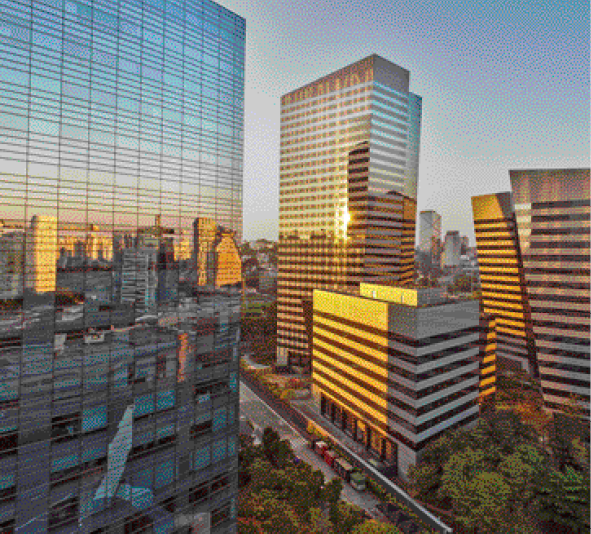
(488,356)
(349,165)
(395,367)
(501,276)
(533,254)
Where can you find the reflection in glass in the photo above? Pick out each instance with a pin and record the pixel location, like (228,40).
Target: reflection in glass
(120,277)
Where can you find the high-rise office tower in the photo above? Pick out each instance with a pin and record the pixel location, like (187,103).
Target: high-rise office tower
(501,280)
(118,376)
(552,215)
(464,245)
(347,213)
(533,252)
(430,237)
(452,248)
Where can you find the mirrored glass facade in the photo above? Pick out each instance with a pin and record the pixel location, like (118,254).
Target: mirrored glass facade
(120,210)
(347,212)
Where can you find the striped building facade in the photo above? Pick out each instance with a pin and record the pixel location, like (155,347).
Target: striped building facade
(488,357)
(552,214)
(396,367)
(347,213)
(533,253)
(501,276)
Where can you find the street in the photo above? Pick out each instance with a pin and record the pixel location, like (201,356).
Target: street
(261,415)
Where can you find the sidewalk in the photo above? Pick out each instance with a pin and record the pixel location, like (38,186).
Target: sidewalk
(309,409)
(361,456)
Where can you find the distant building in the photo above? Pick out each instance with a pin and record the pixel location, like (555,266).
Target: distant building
(217,257)
(397,367)
(41,254)
(261,244)
(430,237)
(452,249)
(12,243)
(464,245)
(268,280)
(533,254)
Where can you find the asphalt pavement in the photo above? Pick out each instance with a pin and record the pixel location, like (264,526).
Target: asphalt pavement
(262,416)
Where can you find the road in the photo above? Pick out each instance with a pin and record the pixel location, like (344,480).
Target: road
(261,415)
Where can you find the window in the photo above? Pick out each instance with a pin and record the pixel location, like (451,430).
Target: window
(220,515)
(219,483)
(202,457)
(7,488)
(219,418)
(164,473)
(8,444)
(165,399)
(64,511)
(200,428)
(94,418)
(199,493)
(65,427)
(219,450)
(144,405)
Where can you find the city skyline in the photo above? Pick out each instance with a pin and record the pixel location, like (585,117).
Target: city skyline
(493,78)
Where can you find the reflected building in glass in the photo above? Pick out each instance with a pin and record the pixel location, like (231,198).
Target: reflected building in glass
(122,131)
(348,187)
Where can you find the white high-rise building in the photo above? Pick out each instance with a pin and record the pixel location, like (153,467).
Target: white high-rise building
(430,236)
(452,249)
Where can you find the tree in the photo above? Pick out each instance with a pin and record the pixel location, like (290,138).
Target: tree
(563,499)
(374,527)
(425,477)
(331,494)
(348,516)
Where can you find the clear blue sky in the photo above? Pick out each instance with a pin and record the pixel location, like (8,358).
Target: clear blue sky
(505,85)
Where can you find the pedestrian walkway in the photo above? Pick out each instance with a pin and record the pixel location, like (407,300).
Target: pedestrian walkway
(308,408)
(360,456)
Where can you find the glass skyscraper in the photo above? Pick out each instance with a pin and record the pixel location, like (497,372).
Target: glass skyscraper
(347,208)
(120,207)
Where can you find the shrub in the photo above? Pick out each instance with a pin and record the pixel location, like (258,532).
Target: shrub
(287,395)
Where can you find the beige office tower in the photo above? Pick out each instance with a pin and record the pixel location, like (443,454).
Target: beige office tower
(41,246)
(347,213)
(552,214)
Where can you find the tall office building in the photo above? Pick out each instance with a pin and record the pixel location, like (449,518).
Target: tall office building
(452,248)
(552,215)
(533,252)
(396,367)
(430,237)
(118,375)
(347,212)
(501,281)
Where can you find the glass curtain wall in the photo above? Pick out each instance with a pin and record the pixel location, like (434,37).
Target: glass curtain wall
(120,170)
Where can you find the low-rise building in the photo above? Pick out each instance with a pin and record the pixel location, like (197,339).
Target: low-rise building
(396,367)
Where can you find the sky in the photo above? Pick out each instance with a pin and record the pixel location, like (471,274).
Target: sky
(505,85)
